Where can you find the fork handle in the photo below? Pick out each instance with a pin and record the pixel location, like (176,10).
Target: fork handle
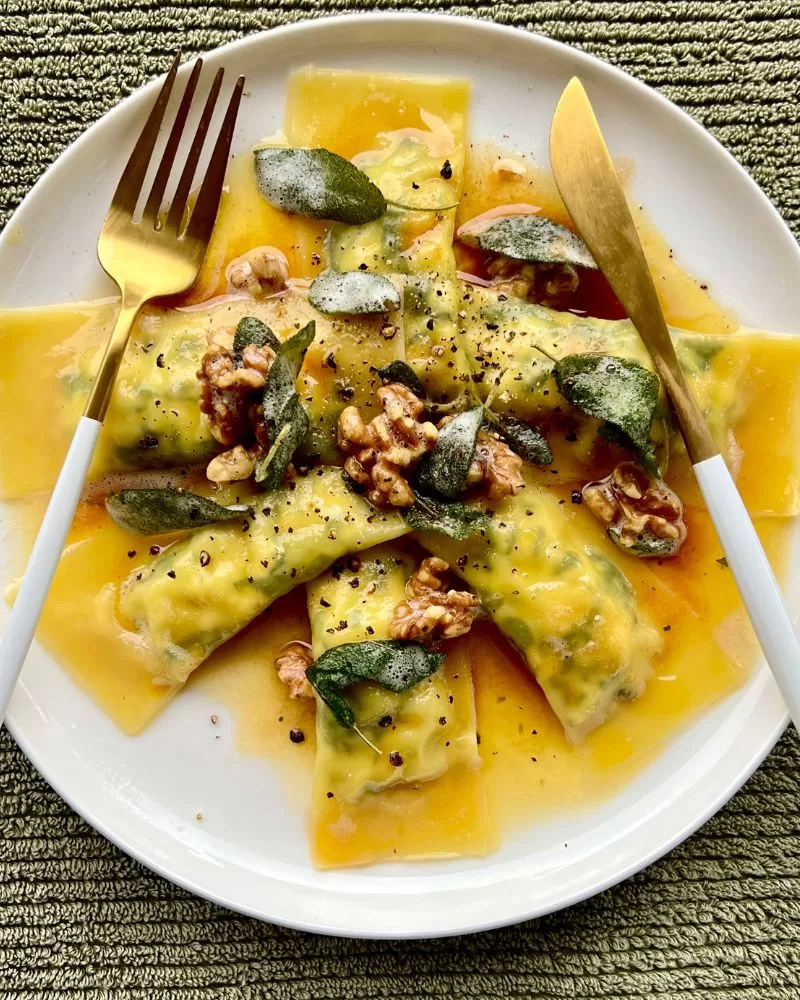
(754,577)
(45,556)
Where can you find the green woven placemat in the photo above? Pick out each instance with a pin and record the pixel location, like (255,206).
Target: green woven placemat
(719,918)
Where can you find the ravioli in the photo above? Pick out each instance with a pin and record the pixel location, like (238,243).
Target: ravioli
(366,805)
(566,606)
(182,607)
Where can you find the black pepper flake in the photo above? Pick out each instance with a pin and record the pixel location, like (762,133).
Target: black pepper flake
(462,561)
(297,735)
(576,496)
(131,553)
(245,525)
(160,361)
(667,628)
(293,574)
(154,550)
(429,324)
(266,511)
(138,576)
(171,574)
(395,759)
(442,720)
(342,625)
(330,795)
(324,603)
(330,360)
(571,437)
(265,563)
(354,583)
(370,630)
(722,563)
(415,186)
(148,441)
(385,722)
(205,558)
(447,171)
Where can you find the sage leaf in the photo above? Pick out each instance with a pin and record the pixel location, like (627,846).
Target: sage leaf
(396,666)
(353,293)
(157,511)
(280,386)
(250,330)
(271,468)
(444,469)
(447,517)
(529,237)
(399,371)
(525,440)
(286,420)
(617,390)
(318,184)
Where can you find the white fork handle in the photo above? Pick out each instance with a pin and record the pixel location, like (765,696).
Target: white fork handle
(754,577)
(44,558)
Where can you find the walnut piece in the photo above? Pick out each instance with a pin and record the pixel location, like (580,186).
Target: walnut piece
(383,452)
(497,465)
(432,611)
(292,662)
(260,272)
(227,388)
(551,285)
(231,466)
(508,167)
(644,516)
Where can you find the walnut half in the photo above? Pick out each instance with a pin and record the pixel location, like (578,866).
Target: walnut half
(643,515)
(292,662)
(496,465)
(260,272)
(383,452)
(551,285)
(432,611)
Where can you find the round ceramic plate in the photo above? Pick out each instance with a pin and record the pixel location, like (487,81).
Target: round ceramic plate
(250,853)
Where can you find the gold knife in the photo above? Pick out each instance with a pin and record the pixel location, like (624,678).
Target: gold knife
(595,199)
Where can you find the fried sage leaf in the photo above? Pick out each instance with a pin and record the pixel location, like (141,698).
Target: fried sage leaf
(399,371)
(444,470)
(250,330)
(447,517)
(156,511)
(525,440)
(396,666)
(617,390)
(528,237)
(270,469)
(286,420)
(318,184)
(353,293)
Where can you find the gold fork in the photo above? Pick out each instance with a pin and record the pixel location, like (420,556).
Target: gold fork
(159,253)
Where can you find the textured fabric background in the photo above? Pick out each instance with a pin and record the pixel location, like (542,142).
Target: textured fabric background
(719,918)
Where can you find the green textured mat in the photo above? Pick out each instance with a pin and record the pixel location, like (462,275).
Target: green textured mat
(720,917)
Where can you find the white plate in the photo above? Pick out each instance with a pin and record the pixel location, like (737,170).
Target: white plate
(250,853)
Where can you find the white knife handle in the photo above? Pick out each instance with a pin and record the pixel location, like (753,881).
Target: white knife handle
(754,577)
(44,558)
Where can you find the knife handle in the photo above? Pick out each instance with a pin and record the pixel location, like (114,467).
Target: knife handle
(754,577)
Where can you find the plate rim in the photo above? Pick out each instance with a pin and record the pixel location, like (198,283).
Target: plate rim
(527,909)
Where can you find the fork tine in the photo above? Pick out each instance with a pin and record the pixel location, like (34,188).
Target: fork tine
(171,148)
(204,213)
(185,183)
(130,184)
